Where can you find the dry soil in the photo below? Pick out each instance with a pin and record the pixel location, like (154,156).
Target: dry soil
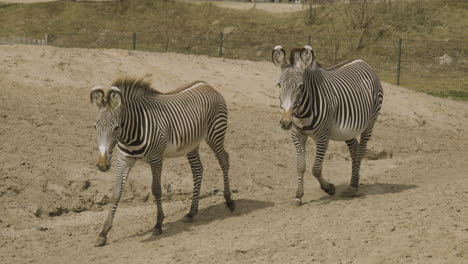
(54,200)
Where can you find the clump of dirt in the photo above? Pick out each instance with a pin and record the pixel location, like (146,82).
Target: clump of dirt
(378,155)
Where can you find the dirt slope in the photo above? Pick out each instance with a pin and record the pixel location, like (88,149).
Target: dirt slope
(54,201)
(269,7)
(24,1)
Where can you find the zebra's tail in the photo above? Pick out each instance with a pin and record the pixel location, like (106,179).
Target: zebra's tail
(379,93)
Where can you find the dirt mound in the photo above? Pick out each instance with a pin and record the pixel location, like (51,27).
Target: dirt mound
(269,7)
(54,199)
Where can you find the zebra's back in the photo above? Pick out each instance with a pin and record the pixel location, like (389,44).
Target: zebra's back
(185,116)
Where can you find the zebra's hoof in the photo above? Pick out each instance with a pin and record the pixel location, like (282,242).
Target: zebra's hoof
(101,241)
(188,219)
(231,205)
(296,202)
(157,231)
(330,190)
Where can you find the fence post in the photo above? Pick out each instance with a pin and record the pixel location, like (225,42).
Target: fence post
(399,61)
(46,38)
(134,41)
(167,40)
(309,41)
(221,39)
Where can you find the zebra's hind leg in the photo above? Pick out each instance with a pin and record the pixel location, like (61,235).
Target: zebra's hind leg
(223,159)
(156,167)
(197,172)
(358,152)
(123,169)
(322,145)
(215,139)
(355,151)
(365,136)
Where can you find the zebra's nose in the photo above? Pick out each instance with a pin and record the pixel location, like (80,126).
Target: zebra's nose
(103,168)
(286,125)
(285,120)
(103,163)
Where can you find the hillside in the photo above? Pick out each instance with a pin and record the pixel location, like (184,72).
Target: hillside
(54,202)
(431,31)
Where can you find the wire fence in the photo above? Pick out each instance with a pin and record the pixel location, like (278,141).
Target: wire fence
(436,67)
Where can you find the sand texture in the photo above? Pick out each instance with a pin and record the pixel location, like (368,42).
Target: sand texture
(53,199)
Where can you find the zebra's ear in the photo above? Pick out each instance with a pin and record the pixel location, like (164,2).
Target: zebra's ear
(278,56)
(115,98)
(307,56)
(97,97)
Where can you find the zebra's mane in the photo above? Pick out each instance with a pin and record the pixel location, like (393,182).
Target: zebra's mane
(296,55)
(134,87)
(339,65)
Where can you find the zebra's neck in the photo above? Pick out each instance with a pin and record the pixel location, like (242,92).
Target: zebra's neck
(132,119)
(310,100)
(310,95)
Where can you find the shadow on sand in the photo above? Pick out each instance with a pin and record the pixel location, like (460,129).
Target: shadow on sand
(204,216)
(365,190)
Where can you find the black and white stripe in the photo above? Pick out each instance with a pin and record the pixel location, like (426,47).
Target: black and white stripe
(154,125)
(339,103)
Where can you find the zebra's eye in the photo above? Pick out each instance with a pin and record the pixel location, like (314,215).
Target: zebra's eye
(95,127)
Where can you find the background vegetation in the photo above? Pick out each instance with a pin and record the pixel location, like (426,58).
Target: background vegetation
(362,29)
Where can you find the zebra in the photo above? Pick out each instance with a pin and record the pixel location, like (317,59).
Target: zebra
(148,125)
(339,103)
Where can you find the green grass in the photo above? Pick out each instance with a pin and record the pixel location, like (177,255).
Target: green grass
(429,29)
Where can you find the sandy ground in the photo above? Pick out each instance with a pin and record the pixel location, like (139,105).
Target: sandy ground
(54,200)
(41,1)
(26,1)
(269,7)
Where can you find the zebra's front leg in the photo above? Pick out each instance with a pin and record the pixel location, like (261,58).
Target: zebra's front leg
(156,168)
(123,168)
(322,145)
(299,141)
(197,172)
(355,151)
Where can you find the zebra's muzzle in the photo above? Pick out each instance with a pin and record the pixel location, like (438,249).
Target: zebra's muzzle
(103,163)
(286,121)
(286,125)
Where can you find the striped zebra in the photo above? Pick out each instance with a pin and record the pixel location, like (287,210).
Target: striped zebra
(339,103)
(150,125)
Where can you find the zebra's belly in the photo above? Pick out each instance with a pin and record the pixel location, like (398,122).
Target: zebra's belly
(338,133)
(172,150)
